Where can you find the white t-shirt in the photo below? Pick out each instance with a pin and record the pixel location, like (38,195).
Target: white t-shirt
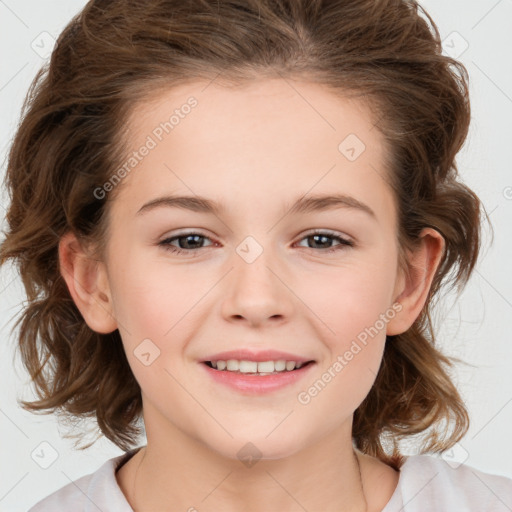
(427,483)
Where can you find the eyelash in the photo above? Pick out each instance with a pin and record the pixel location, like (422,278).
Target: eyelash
(165,244)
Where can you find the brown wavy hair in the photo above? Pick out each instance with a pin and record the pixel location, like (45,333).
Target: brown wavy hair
(386,53)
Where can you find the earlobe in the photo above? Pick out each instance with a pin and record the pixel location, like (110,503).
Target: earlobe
(88,285)
(413,288)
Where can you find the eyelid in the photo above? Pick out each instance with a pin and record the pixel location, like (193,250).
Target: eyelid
(185,232)
(314,231)
(344,242)
(330,232)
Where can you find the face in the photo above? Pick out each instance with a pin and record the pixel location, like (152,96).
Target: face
(257,273)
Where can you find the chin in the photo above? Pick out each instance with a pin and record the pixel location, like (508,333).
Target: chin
(249,450)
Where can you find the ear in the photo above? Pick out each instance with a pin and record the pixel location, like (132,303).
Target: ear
(87,281)
(412,291)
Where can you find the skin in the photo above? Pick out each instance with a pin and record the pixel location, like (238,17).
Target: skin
(254,149)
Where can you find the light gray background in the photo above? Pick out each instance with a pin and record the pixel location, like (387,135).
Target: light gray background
(474,327)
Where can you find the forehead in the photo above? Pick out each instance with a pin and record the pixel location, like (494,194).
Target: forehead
(295,110)
(267,138)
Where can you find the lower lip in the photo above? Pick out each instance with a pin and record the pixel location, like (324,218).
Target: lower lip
(257,384)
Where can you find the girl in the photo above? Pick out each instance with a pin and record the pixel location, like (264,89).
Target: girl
(308,149)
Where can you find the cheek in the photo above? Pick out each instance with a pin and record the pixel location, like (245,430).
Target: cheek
(347,300)
(356,309)
(150,299)
(150,309)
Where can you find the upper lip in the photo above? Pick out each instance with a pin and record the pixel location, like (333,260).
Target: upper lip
(256,355)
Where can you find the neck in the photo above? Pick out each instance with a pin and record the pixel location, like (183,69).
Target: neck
(176,472)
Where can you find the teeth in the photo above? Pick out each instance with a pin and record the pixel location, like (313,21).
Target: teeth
(233,365)
(279,366)
(263,367)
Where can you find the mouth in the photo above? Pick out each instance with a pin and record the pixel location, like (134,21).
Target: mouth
(256,377)
(256,368)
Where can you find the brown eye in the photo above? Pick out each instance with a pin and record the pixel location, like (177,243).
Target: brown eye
(187,243)
(322,240)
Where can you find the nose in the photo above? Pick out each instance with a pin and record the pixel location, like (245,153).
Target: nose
(256,292)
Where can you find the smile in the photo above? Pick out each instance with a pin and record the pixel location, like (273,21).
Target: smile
(255,367)
(249,378)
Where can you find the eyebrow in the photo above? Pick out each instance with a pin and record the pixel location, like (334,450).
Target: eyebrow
(302,205)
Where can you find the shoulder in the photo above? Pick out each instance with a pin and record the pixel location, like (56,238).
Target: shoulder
(428,482)
(92,492)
